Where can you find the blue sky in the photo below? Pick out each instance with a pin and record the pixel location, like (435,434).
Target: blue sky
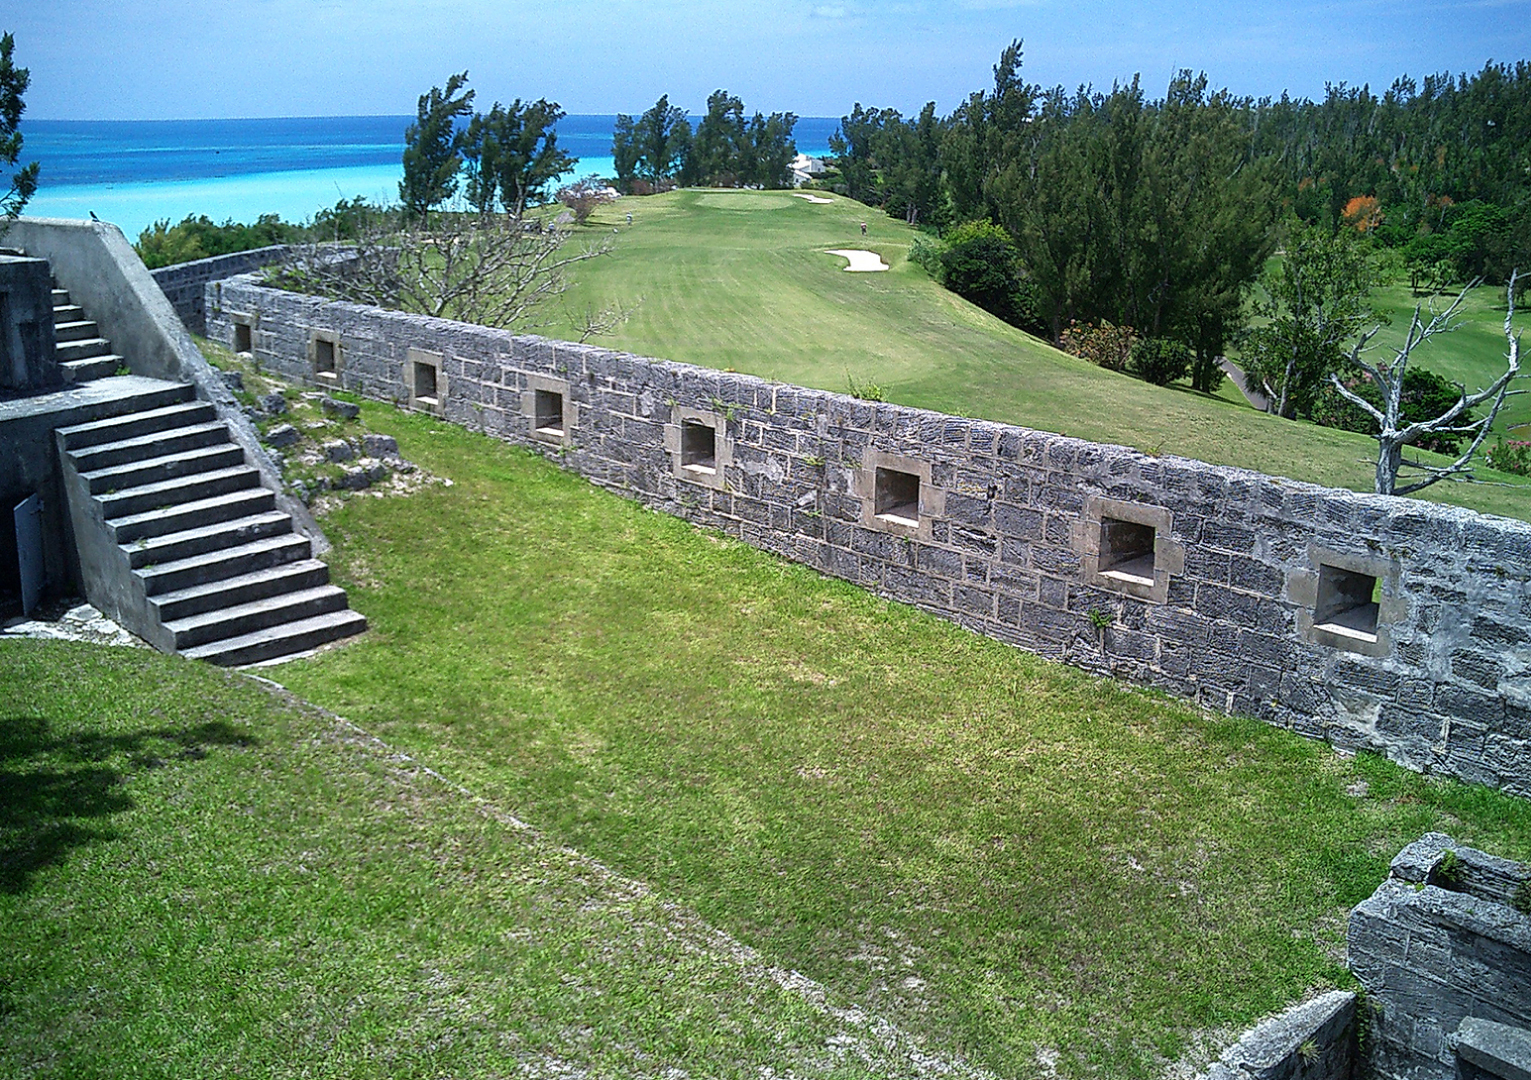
(166,59)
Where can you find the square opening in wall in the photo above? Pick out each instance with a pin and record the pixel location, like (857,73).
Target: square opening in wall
(1348,603)
(425,382)
(897,496)
(243,339)
(698,447)
(548,412)
(1127,551)
(324,357)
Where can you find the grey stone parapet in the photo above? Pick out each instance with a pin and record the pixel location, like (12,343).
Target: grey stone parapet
(1372,622)
(185,284)
(1441,943)
(1313,1040)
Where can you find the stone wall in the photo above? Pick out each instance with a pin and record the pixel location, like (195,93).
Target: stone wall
(1313,1040)
(1443,948)
(1368,621)
(185,284)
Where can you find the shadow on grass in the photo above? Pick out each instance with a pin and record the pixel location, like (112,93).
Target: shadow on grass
(56,792)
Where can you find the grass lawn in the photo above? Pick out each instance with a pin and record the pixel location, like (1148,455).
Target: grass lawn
(733,279)
(1014,860)
(198,879)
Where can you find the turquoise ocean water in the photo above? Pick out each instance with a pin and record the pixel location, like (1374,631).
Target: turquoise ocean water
(133,173)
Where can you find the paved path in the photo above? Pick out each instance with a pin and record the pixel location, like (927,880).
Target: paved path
(1236,373)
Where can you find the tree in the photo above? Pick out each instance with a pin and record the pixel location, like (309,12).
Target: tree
(1394,432)
(13,84)
(769,151)
(511,155)
(979,264)
(624,151)
(1316,300)
(432,147)
(717,149)
(662,140)
(489,271)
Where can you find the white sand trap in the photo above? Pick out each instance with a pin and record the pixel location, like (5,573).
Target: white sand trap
(810,198)
(861,262)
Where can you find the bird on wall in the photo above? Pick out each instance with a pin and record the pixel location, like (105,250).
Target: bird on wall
(93,216)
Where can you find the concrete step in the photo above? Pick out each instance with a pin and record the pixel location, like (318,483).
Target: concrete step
(171,547)
(84,349)
(182,489)
(240,589)
(244,619)
(171,441)
(174,413)
(76,330)
(64,313)
(226,563)
(96,367)
(279,641)
(192,515)
(136,474)
(60,297)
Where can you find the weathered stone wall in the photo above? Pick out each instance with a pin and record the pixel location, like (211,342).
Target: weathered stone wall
(1313,1040)
(185,284)
(1369,621)
(1445,956)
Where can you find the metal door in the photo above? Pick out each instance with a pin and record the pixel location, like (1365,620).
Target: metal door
(29,552)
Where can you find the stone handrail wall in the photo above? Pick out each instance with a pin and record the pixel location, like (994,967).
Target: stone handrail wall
(1372,622)
(185,284)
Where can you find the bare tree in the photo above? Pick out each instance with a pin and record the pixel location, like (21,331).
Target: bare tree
(492,270)
(1394,433)
(595,322)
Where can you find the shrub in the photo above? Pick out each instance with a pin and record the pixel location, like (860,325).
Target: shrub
(1511,456)
(1107,345)
(1161,360)
(926,251)
(1425,395)
(583,196)
(979,264)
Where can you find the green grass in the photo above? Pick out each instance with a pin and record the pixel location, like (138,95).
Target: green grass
(740,280)
(200,880)
(1004,855)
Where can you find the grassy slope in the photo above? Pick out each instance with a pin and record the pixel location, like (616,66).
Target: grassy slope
(1002,853)
(740,280)
(197,880)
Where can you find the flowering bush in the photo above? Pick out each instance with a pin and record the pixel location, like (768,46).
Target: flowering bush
(1511,456)
(1107,345)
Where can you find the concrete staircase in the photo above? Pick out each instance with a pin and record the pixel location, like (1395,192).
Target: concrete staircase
(186,546)
(83,353)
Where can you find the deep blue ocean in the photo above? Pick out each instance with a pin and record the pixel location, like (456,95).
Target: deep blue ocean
(136,172)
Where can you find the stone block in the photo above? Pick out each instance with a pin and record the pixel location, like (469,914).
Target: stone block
(1488,1050)
(283,435)
(338,450)
(379,445)
(343,410)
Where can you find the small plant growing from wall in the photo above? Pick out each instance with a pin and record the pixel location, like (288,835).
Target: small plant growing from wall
(1447,872)
(866,391)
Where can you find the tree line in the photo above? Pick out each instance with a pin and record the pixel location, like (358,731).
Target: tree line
(1133,229)
(660,149)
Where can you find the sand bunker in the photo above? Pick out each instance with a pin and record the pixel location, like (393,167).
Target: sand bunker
(810,198)
(861,262)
